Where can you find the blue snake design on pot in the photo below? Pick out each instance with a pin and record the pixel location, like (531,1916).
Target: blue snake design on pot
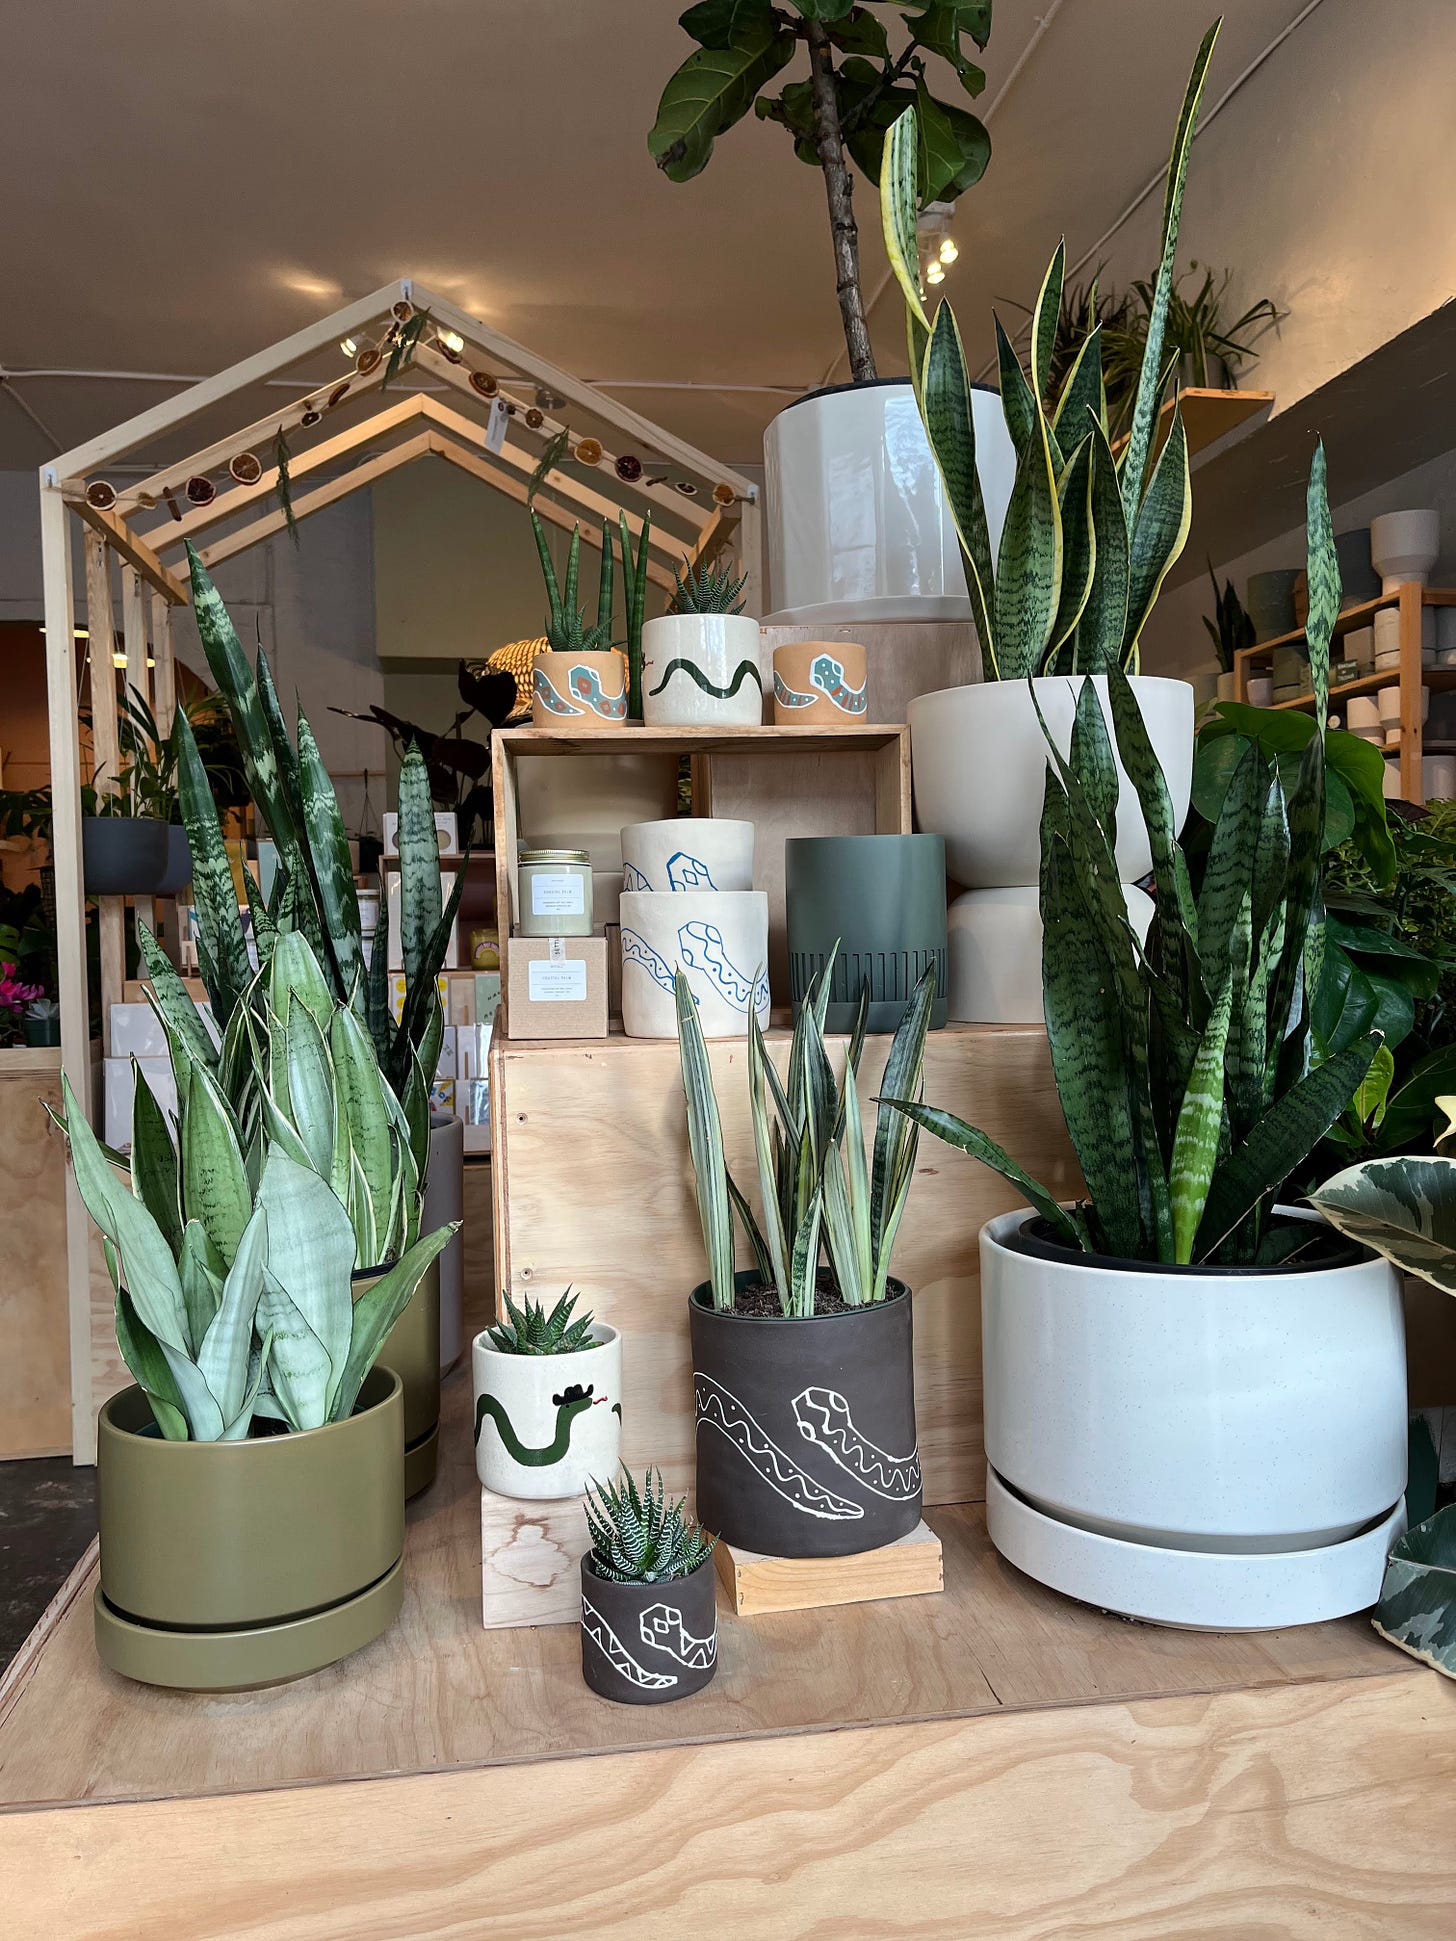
(826,677)
(637,950)
(686,872)
(702,949)
(633,879)
(586,688)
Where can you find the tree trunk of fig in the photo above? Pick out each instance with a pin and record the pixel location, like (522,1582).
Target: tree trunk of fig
(839,187)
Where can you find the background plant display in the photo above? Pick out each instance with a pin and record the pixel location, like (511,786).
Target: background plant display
(1089,536)
(1231,630)
(857,85)
(1192,1073)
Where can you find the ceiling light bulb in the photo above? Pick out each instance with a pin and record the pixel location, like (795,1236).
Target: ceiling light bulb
(118,660)
(349,346)
(452,340)
(83,633)
(948,250)
(934,273)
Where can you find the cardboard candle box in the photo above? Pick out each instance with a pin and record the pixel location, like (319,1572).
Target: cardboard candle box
(556,987)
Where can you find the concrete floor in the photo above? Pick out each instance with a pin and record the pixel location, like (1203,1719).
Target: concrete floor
(47,1517)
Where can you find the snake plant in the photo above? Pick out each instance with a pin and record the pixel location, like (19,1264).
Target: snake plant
(707,589)
(638,1537)
(314,889)
(1089,535)
(1191,1074)
(530,1330)
(566,625)
(817,1182)
(634,599)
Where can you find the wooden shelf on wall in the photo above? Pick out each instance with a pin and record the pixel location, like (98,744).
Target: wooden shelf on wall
(1210,416)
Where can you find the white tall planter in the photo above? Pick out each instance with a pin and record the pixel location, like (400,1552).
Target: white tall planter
(1218,1449)
(688,853)
(720,941)
(993,946)
(547,1425)
(857,522)
(979,758)
(702,667)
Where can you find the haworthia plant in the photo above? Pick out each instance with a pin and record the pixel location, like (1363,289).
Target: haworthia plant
(1089,535)
(818,1186)
(1190,1074)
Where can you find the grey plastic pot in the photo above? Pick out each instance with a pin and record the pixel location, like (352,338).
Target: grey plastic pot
(883,899)
(806,1442)
(123,855)
(645,1644)
(177,871)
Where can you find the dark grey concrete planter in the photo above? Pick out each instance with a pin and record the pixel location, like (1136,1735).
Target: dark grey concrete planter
(177,871)
(806,1441)
(123,855)
(646,1644)
(883,898)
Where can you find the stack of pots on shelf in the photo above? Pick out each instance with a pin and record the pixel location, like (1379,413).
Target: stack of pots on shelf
(979,758)
(689,903)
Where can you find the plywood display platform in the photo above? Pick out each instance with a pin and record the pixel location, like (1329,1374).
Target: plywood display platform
(1098,1772)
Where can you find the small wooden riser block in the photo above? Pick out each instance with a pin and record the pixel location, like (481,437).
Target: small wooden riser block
(909,1567)
(530,1560)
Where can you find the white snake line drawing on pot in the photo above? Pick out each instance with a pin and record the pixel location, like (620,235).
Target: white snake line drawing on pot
(616,1653)
(824,1419)
(662,1627)
(718,1408)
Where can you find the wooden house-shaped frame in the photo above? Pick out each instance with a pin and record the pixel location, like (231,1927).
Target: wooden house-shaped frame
(424,380)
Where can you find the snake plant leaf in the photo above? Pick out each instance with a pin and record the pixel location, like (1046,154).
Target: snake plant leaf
(199,1269)
(605,589)
(422,995)
(1405,1208)
(300,1371)
(1079,542)
(573,570)
(377,1310)
(361,1097)
(310,1256)
(252,1403)
(333,871)
(1178,915)
(1103,624)
(147,1267)
(1195,1142)
(204,1417)
(309,1082)
(1322,572)
(1303,917)
(773,1227)
(759,1246)
(705,1141)
(222,1358)
(950,426)
(142,1353)
(265,929)
(1029,563)
(377,1013)
(804,1259)
(862,1234)
(1068,1224)
(171,999)
(419,862)
(1231,865)
(839,1235)
(215,1189)
(900,211)
(1081,394)
(1417,1607)
(154,1162)
(1159,533)
(1044,323)
(1018,401)
(295,972)
(896,1136)
(1150,375)
(714,88)
(1090,757)
(1280,1141)
(213,893)
(555,610)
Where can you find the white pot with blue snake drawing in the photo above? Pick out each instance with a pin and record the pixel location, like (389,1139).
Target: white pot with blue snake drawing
(719,938)
(702,668)
(688,852)
(547,1425)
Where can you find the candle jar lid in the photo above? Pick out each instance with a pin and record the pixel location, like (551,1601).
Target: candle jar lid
(554,855)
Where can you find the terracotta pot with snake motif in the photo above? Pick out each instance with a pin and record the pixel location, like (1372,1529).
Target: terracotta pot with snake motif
(579,690)
(806,1441)
(821,684)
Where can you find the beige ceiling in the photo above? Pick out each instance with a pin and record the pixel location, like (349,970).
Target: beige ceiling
(189,180)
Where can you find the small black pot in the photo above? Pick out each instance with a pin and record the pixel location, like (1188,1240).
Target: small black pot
(644,1644)
(123,855)
(177,870)
(40,1032)
(806,1428)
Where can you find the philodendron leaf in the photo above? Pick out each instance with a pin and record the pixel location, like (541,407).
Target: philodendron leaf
(1405,1208)
(1417,1608)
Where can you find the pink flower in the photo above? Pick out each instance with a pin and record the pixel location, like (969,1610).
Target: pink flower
(13,994)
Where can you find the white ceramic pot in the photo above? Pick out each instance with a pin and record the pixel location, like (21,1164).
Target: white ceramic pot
(445,1200)
(720,940)
(688,853)
(1438,777)
(978,757)
(547,1425)
(1360,646)
(1362,713)
(702,667)
(1225,686)
(1260,690)
(1404,545)
(993,943)
(857,522)
(1219,1449)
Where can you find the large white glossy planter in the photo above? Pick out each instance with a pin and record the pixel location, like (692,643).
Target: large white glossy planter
(445,1200)
(1217,1449)
(700,669)
(993,949)
(688,853)
(857,522)
(720,940)
(547,1425)
(979,756)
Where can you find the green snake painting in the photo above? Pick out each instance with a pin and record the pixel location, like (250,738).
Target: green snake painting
(574,1401)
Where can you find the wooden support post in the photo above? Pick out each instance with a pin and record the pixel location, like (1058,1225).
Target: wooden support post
(751,559)
(1410,693)
(164,674)
(106,754)
(134,630)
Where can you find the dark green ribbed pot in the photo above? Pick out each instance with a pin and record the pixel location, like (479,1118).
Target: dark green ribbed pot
(412,1350)
(226,1565)
(883,899)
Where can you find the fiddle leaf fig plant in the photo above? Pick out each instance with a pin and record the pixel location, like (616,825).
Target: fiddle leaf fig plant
(857,84)
(1090,532)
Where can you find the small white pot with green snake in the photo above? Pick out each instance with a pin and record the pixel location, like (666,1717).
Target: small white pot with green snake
(547,1425)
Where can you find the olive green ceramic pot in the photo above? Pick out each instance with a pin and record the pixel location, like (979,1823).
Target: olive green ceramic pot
(412,1350)
(226,1565)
